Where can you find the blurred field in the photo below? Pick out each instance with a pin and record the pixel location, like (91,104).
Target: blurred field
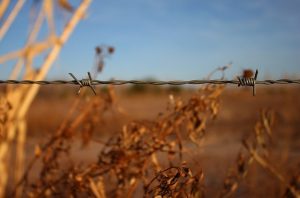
(238,108)
(239,111)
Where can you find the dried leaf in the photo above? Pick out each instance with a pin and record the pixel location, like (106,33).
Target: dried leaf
(37,151)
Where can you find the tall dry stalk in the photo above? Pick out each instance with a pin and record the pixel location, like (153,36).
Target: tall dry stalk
(258,149)
(20,98)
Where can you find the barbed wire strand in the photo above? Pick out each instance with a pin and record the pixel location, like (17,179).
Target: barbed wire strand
(89,82)
(150,82)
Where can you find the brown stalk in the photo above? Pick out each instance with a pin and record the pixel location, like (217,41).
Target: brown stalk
(17,115)
(10,19)
(3,7)
(266,165)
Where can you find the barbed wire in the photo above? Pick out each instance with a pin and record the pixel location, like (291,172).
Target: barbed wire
(241,81)
(149,82)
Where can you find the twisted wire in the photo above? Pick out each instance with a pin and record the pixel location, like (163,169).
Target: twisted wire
(87,82)
(248,81)
(84,82)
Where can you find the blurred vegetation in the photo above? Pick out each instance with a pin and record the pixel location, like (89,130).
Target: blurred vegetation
(153,89)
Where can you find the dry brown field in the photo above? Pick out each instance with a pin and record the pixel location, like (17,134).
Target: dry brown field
(215,156)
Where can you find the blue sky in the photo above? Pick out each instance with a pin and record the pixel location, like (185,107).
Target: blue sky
(179,39)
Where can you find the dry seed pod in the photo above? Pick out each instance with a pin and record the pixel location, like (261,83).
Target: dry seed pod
(111,50)
(98,50)
(248,73)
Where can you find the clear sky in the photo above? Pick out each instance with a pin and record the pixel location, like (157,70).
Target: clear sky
(179,39)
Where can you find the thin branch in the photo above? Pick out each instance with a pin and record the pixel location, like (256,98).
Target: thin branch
(3,6)
(10,19)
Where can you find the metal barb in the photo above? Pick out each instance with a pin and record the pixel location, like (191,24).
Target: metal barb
(84,83)
(246,81)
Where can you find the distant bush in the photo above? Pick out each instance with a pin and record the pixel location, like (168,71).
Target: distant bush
(137,88)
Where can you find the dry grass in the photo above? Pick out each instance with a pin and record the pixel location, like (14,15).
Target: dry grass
(129,157)
(158,157)
(155,157)
(150,157)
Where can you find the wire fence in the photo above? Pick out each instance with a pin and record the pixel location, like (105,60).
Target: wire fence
(241,81)
(149,82)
